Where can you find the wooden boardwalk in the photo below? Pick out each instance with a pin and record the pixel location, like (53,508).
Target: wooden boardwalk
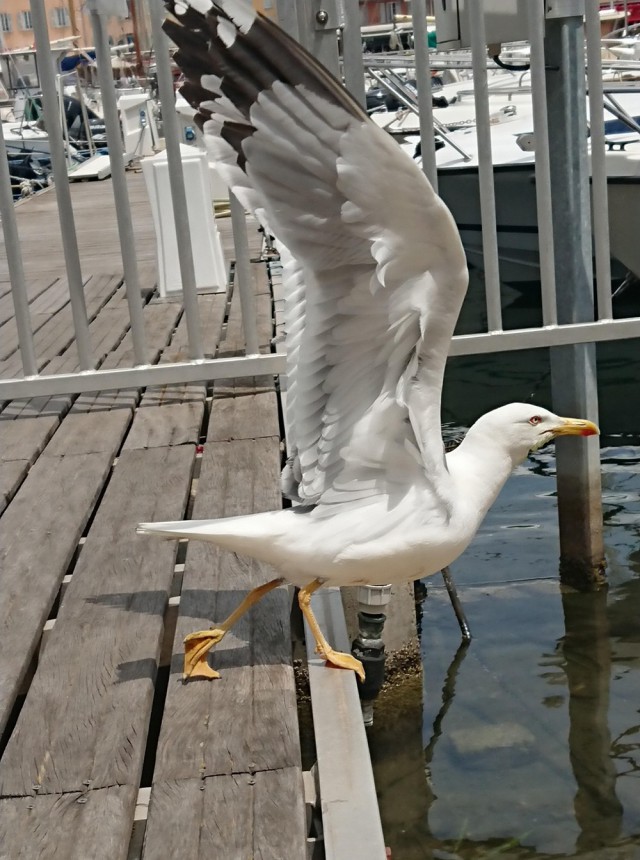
(96,724)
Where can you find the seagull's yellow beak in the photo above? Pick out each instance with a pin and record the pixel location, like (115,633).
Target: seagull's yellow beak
(576,427)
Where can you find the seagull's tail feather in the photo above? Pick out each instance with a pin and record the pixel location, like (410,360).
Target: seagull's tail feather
(256,535)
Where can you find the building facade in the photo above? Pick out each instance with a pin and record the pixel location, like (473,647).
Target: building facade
(67,21)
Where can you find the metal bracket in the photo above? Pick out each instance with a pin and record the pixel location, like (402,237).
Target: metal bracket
(564,8)
(326,14)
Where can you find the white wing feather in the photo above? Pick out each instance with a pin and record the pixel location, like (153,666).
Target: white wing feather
(375,275)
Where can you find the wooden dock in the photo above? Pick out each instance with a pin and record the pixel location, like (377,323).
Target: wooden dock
(101,740)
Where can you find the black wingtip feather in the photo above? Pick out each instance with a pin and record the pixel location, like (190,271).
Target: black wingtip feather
(255,59)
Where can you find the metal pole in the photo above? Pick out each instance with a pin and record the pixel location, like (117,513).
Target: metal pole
(16,269)
(289,18)
(176,179)
(352,52)
(319,25)
(543,165)
(61,186)
(62,118)
(599,193)
(425,103)
(485,165)
(243,276)
(85,117)
(120,192)
(573,368)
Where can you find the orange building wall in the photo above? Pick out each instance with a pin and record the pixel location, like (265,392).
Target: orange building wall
(18,37)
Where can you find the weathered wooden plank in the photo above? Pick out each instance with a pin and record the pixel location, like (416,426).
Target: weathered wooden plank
(234,338)
(53,328)
(27,425)
(255,698)
(169,424)
(246,416)
(35,287)
(38,226)
(74,826)
(39,532)
(211,312)
(89,433)
(12,473)
(233,343)
(24,439)
(229,818)
(242,728)
(172,414)
(85,719)
(159,321)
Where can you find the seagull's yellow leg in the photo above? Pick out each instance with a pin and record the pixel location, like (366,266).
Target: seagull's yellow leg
(198,644)
(335,658)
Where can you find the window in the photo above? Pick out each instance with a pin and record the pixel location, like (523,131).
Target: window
(24,19)
(5,22)
(390,12)
(60,17)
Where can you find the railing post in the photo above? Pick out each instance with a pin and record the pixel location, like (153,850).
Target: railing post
(573,368)
(176,178)
(243,281)
(352,64)
(120,191)
(61,186)
(16,268)
(425,103)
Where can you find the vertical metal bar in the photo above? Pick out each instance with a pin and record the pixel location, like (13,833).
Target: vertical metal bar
(176,179)
(485,165)
(243,278)
(16,269)
(289,18)
(120,192)
(425,103)
(353,65)
(599,193)
(543,165)
(62,117)
(573,368)
(321,24)
(85,117)
(63,193)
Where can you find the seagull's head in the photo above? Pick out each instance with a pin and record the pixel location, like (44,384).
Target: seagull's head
(524,427)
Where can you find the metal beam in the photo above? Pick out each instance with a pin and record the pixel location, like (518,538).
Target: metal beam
(573,368)
(61,186)
(350,816)
(176,178)
(119,182)
(223,368)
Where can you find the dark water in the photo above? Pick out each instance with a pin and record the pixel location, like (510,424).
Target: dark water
(526,744)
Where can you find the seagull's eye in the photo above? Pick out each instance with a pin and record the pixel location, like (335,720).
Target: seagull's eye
(535,419)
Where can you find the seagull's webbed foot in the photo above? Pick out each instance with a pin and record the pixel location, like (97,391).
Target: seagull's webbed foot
(196,647)
(341,660)
(334,658)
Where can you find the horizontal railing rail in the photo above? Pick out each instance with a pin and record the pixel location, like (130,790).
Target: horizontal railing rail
(201,370)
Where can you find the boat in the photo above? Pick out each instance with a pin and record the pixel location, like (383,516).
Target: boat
(513,156)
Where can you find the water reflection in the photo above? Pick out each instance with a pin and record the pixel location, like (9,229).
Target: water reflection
(527,744)
(586,653)
(531,736)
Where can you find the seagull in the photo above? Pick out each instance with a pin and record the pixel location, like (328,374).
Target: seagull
(375,276)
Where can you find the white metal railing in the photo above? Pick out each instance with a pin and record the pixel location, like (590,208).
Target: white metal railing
(197,368)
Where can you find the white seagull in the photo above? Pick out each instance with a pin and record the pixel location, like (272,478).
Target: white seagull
(375,277)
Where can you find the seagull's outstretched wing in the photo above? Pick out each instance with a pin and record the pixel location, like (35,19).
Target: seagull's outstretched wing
(375,267)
